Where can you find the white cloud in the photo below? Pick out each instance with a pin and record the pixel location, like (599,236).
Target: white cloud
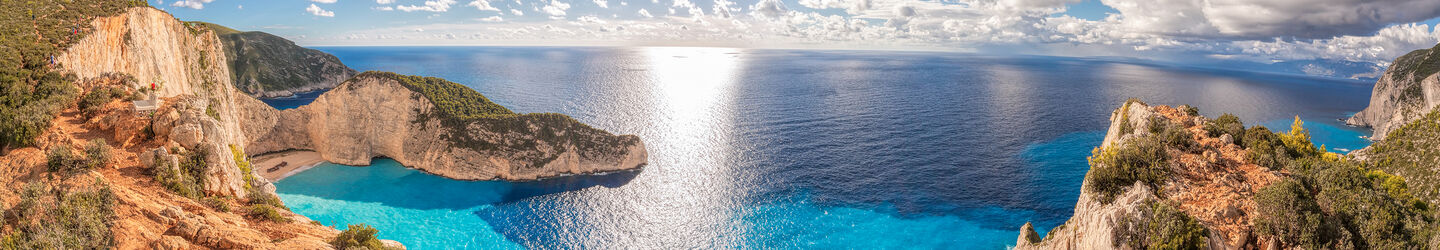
(602,3)
(770,8)
(645,13)
(493,19)
(193,4)
(556,8)
(324,1)
(517,12)
(1249,19)
(384,8)
(482,5)
(431,6)
(384,1)
(316,10)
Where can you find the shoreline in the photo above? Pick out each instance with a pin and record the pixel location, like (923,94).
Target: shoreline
(285,164)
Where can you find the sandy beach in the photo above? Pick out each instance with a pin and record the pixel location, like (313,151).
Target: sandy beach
(277,166)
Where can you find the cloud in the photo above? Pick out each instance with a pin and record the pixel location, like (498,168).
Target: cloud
(493,19)
(384,1)
(316,10)
(517,12)
(482,5)
(770,8)
(602,3)
(1255,19)
(556,8)
(644,13)
(193,4)
(431,6)
(383,8)
(324,1)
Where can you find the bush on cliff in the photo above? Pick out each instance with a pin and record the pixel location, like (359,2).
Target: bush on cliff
(1332,202)
(1160,226)
(267,212)
(358,236)
(1226,124)
(47,218)
(186,178)
(1117,167)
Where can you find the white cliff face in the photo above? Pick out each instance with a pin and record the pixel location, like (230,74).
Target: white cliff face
(370,117)
(1407,91)
(188,66)
(1389,108)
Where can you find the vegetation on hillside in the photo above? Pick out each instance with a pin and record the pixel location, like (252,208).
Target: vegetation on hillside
(49,217)
(1143,159)
(358,236)
(31,34)
(1160,226)
(261,62)
(1412,151)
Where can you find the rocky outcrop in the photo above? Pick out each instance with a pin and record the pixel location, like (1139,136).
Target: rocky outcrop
(265,65)
(1408,90)
(1209,182)
(187,65)
(373,115)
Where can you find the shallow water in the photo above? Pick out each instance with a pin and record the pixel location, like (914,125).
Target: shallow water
(791,149)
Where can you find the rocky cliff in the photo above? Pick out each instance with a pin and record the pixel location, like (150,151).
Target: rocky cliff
(265,65)
(1408,90)
(1166,178)
(377,114)
(187,66)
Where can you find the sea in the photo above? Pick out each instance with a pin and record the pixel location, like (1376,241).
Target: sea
(807,149)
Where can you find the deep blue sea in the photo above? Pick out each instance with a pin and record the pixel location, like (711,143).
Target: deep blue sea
(791,149)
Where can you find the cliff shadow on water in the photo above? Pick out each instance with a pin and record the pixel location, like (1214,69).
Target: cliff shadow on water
(387,182)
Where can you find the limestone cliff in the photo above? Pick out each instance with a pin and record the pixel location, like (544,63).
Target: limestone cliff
(187,66)
(375,115)
(1408,90)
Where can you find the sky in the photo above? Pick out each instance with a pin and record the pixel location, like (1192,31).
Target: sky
(1334,38)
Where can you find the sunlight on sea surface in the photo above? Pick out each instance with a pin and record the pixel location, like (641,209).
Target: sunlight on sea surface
(791,149)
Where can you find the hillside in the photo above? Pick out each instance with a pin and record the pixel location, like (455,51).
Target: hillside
(265,65)
(1408,90)
(1166,178)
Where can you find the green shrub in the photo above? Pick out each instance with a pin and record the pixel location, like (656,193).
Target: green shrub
(62,159)
(60,219)
(244,165)
(92,102)
(358,236)
(216,203)
(1112,170)
(1226,124)
(97,153)
(210,111)
(187,179)
(1286,210)
(1160,226)
(267,212)
(1190,110)
(258,197)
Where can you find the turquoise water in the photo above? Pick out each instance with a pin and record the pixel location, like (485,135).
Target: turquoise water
(791,149)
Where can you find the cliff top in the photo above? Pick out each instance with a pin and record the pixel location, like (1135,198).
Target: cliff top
(1417,64)
(1248,187)
(454,100)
